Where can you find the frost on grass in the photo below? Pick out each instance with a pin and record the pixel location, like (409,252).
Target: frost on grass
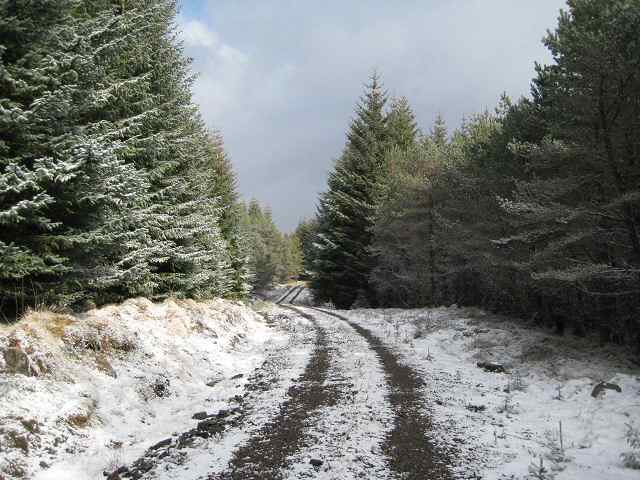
(504,424)
(82,393)
(631,458)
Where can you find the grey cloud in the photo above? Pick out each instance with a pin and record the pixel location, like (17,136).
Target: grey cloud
(282,77)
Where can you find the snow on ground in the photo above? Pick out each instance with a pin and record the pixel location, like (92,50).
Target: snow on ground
(305,297)
(211,457)
(87,393)
(347,437)
(502,423)
(288,293)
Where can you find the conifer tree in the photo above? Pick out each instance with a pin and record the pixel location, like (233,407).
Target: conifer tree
(147,104)
(438,133)
(578,213)
(306,233)
(401,124)
(342,262)
(269,256)
(110,185)
(65,190)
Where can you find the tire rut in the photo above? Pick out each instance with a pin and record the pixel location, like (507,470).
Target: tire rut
(411,452)
(265,456)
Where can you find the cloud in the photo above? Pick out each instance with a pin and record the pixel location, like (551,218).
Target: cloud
(222,69)
(197,34)
(280,79)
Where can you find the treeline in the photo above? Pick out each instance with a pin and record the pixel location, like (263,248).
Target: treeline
(273,256)
(532,210)
(110,184)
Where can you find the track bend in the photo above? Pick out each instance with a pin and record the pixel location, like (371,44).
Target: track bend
(350,411)
(285,295)
(297,294)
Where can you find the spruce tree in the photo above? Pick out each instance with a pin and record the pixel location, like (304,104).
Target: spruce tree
(306,232)
(65,190)
(148,106)
(342,261)
(401,124)
(438,133)
(110,185)
(267,248)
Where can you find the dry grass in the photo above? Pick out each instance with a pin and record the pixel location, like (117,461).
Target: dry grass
(18,441)
(79,420)
(35,321)
(83,418)
(103,364)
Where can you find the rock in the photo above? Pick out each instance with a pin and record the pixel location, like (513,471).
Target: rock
(116,474)
(160,387)
(200,416)
(163,443)
(236,377)
(476,408)
(211,426)
(19,441)
(31,425)
(602,386)
(140,467)
(492,367)
(316,463)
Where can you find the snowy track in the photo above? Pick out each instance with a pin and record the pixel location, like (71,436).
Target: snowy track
(308,393)
(409,448)
(354,413)
(263,392)
(265,454)
(348,437)
(351,411)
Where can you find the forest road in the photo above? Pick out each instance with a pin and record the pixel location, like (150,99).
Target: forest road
(355,412)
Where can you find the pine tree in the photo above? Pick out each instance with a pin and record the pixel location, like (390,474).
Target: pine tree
(578,212)
(342,262)
(412,236)
(401,124)
(109,183)
(65,192)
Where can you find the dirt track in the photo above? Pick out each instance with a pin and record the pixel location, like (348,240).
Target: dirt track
(354,412)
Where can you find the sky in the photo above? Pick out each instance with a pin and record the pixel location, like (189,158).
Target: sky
(280,78)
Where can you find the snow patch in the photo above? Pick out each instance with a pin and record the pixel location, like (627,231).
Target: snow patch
(504,423)
(83,394)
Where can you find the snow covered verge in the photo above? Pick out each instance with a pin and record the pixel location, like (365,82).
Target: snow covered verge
(504,424)
(83,394)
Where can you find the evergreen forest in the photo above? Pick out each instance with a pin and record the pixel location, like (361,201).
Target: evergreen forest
(532,209)
(111,185)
